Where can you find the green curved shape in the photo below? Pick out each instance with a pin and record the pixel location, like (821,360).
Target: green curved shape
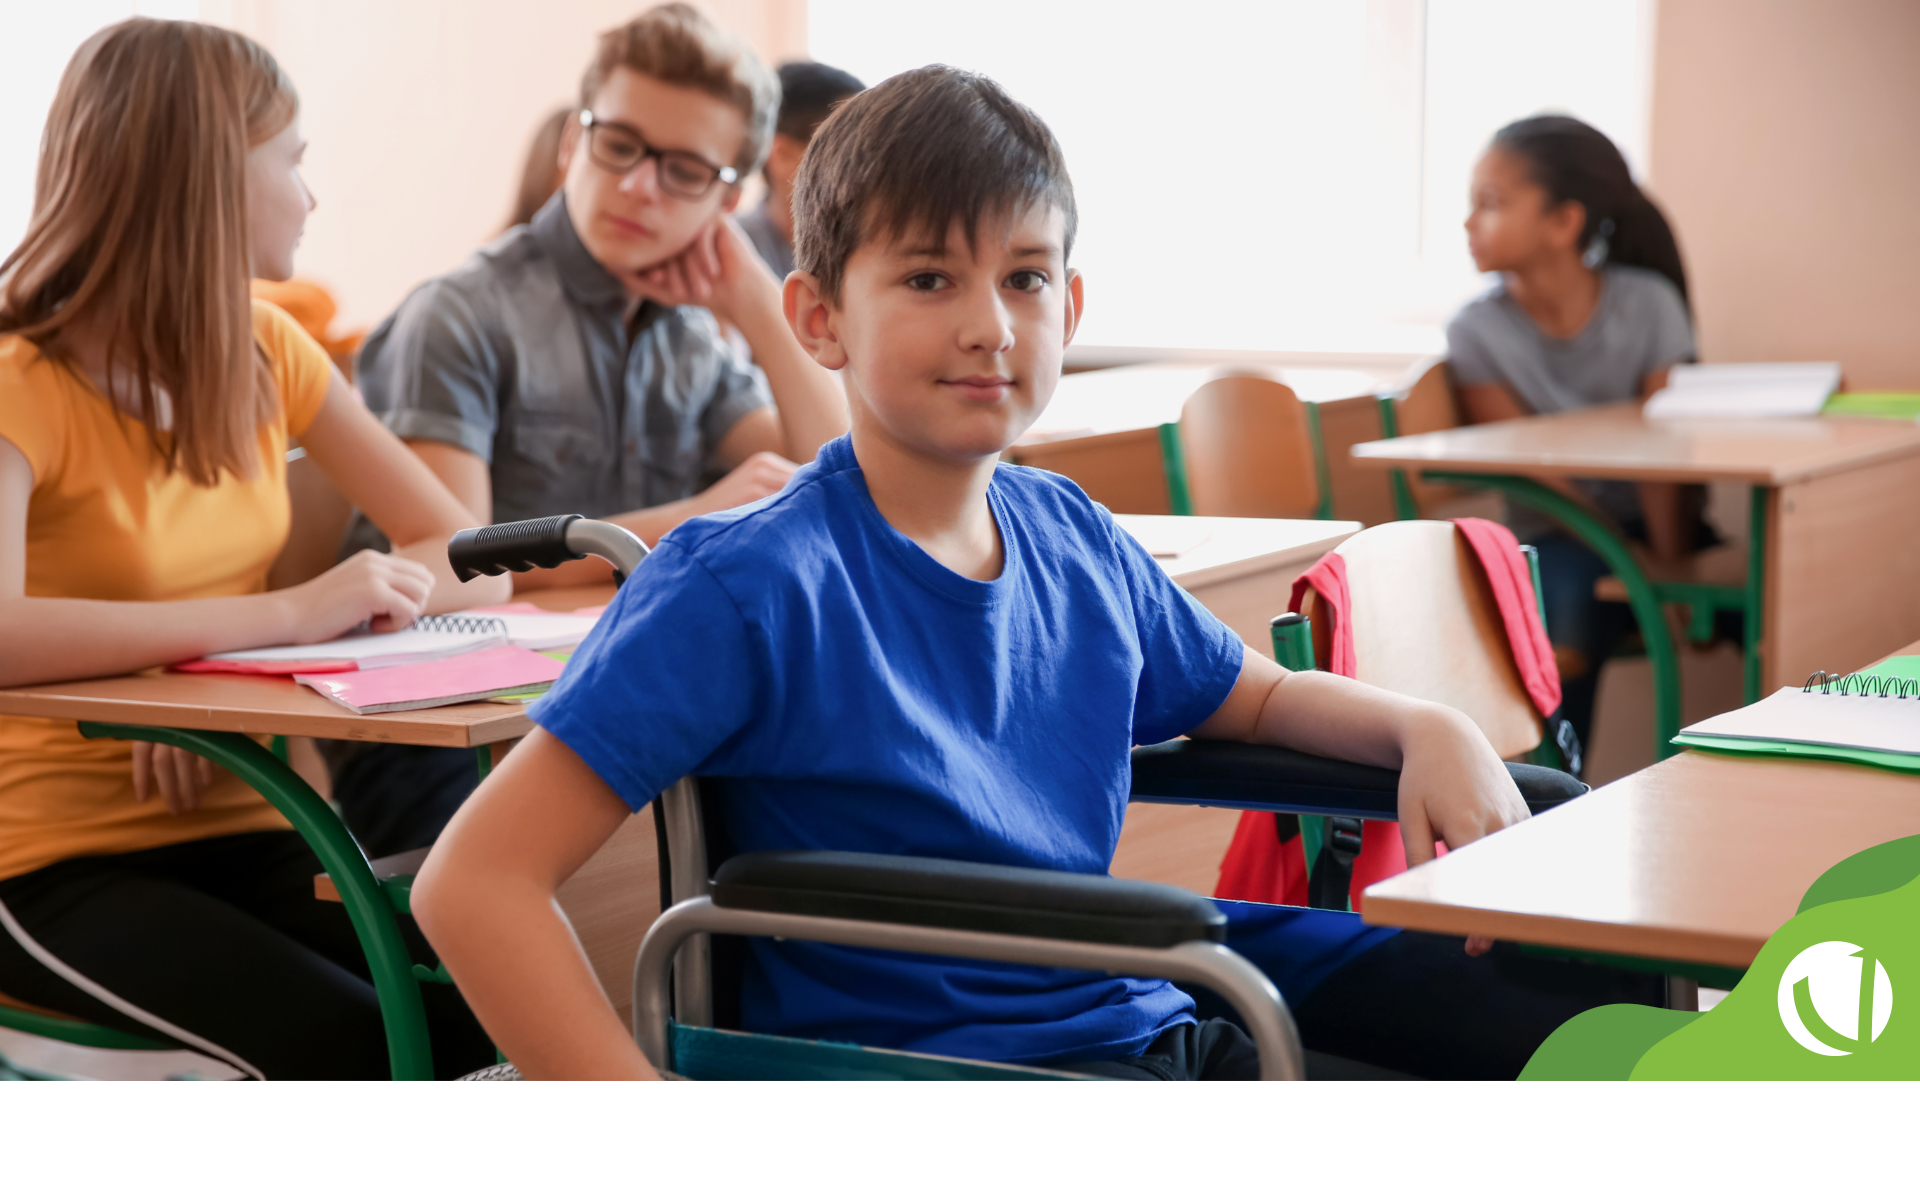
(1641,598)
(388,960)
(1884,868)
(1604,1043)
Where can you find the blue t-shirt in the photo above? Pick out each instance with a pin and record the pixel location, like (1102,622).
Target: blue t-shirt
(844,691)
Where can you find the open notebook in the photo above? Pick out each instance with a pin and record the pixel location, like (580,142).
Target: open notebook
(1870,717)
(426,639)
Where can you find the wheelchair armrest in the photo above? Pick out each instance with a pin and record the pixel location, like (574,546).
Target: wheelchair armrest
(900,890)
(1274,779)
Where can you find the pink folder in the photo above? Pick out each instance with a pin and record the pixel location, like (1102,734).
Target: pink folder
(478,675)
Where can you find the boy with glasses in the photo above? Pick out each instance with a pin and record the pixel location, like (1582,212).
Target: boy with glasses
(575,364)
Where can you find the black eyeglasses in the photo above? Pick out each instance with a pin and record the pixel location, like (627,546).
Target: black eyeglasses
(620,148)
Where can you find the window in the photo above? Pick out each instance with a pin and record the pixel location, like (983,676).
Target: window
(1276,174)
(40,40)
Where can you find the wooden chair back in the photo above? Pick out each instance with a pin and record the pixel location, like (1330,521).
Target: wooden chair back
(1427,406)
(1425,625)
(1249,449)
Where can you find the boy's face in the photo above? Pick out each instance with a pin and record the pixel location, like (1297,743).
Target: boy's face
(626,220)
(949,353)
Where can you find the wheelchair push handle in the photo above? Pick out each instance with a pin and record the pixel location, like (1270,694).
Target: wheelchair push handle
(542,542)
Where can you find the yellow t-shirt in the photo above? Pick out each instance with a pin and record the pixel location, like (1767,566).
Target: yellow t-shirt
(105,522)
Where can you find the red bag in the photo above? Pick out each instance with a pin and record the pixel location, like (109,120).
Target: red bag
(1259,865)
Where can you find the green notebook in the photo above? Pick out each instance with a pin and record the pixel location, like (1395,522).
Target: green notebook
(1904,667)
(1901,406)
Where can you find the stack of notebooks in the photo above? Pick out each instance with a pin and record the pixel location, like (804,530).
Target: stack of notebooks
(479,654)
(1745,390)
(1872,717)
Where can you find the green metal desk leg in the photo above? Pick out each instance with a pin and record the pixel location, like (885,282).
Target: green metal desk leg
(1756,588)
(1322,474)
(1404,508)
(1640,596)
(1173,460)
(388,959)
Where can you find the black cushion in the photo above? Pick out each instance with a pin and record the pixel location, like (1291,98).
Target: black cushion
(960,895)
(1242,775)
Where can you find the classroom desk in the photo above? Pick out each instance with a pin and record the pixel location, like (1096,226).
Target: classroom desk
(218,716)
(1695,860)
(1240,569)
(1102,430)
(1833,561)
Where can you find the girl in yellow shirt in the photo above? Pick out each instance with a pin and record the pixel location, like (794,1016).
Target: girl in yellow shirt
(146,407)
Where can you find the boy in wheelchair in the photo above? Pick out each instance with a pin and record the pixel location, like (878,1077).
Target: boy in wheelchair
(913,649)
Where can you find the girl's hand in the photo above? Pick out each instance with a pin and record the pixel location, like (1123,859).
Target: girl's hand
(384,590)
(179,776)
(1453,789)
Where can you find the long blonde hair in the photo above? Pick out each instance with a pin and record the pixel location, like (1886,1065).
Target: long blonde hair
(139,231)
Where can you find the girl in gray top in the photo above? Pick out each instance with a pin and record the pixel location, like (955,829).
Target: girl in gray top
(1591,308)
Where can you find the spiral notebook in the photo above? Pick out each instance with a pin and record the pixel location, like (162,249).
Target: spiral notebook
(426,639)
(1870,717)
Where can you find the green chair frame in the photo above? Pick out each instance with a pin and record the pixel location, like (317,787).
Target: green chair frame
(1293,649)
(1645,597)
(1173,459)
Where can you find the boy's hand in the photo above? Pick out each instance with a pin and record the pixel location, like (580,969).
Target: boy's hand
(760,476)
(719,271)
(1453,789)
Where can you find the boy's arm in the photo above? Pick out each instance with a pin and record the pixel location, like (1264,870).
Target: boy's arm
(485,899)
(722,273)
(1453,787)
(470,479)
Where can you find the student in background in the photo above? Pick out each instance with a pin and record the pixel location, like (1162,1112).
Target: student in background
(1590,308)
(574,365)
(808,92)
(917,649)
(146,406)
(543,172)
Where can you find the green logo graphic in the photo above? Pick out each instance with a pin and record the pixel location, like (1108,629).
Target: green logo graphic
(1854,994)
(1817,1003)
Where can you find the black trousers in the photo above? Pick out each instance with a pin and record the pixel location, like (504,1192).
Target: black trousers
(398,798)
(1213,1049)
(1417,1005)
(1413,1007)
(224,939)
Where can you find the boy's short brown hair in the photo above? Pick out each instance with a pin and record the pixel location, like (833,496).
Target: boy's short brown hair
(922,150)
(676,44)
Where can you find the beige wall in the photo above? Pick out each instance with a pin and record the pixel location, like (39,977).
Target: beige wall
(1786,149)
(418,114)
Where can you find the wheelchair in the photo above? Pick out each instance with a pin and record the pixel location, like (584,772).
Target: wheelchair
(687,965)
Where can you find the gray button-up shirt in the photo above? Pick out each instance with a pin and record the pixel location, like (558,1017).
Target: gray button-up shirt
(524,356)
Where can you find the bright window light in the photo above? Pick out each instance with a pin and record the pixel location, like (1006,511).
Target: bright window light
(1272,175)
(40,38)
